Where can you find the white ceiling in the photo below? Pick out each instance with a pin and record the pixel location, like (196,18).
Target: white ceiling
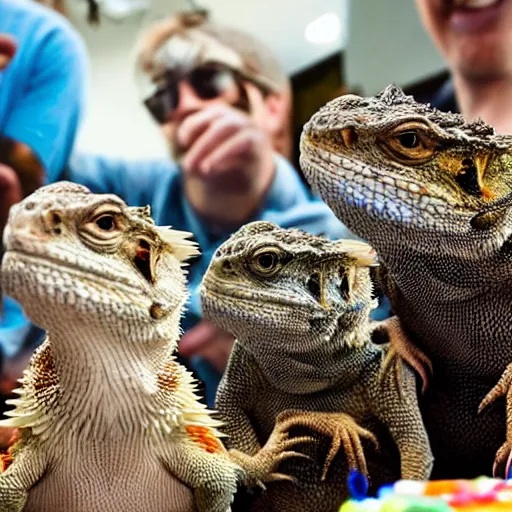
(280,23)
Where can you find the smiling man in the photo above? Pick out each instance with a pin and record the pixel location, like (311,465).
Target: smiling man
(474,37)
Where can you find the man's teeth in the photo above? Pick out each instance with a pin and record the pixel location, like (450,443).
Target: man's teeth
(476,4)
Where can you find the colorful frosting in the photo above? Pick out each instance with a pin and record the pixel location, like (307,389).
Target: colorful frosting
(482,494)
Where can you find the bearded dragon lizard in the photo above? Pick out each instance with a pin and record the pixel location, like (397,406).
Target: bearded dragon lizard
(108,419)
(431,193)
(299,307)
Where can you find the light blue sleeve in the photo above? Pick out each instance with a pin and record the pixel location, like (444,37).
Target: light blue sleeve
(47,117)
(139,182)
(100,174)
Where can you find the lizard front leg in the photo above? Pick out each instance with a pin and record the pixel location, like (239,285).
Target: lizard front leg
(503,387)
(343,430)
(261,466)
(401,348)
(259,463)
(237,393)
(400,412)
(201,462)
(27,467)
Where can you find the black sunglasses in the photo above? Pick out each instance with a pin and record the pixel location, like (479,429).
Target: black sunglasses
(208,81)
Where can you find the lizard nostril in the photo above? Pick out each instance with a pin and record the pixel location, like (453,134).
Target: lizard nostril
(52,222)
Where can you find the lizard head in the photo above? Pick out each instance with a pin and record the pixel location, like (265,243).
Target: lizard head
(295,289)
(87,260)
(389,166)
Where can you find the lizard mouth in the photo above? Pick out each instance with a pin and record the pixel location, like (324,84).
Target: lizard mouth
(243,295)
(54,268)
(363,186)
(235,293)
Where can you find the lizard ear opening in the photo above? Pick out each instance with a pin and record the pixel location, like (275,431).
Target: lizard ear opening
(313,285)
(345,285)
(348,278)
(142,260)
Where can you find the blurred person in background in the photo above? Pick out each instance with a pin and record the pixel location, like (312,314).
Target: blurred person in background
(42,84)
(222,101)
(475,39)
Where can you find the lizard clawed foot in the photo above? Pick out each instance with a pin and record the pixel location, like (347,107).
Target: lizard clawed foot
(261,467)
(502,388)
(343,430)
(402,349)
(503,458)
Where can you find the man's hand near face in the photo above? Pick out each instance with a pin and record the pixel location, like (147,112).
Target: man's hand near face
(228,168)
(227,162)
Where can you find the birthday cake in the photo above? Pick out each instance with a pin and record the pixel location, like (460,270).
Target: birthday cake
(482,494)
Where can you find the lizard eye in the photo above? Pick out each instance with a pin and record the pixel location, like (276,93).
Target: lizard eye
(409,140)
(266,261)
(106,222)
(410,143)
(103,229)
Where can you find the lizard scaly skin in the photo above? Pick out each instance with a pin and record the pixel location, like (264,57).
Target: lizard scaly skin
(109,421)
(299,308)
(431,193)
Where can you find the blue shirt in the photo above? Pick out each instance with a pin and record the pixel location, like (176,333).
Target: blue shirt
(158,183)
(42,90)
(41,101)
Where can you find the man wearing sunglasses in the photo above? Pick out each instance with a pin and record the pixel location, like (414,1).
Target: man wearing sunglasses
(223,104)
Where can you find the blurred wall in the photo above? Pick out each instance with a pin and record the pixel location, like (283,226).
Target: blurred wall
(387,44)
(117,124)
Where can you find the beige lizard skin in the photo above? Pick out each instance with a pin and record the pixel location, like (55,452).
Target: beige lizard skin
(109,420)
(299,308)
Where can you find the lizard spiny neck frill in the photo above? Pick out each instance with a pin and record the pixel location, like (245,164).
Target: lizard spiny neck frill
(430,180)
(108,288)
(297,293)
